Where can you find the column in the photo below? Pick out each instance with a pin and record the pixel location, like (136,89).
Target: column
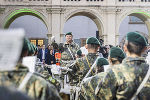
(117,26)
(49,19)
(55,20)
(2,10)
(110,25)
(147,22)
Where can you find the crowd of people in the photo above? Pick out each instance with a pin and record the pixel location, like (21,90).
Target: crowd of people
(95,71)
(47,55)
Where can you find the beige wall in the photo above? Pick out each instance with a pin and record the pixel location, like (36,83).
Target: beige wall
(107,14)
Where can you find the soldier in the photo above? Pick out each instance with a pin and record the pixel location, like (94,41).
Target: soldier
(79,54)
(116,55)
(34,86)
(84,64)
(90,84)
(68,54)
(122,82)
(100,64)
(70,49)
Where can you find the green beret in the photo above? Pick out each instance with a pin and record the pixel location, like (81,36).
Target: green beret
(101,61)
(136,38)
(79,52)
(93,40)
(31,51)
(34,47)
(26,44)
(69,33)
(116,52)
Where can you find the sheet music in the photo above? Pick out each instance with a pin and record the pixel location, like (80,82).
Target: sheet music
(30,62)
(11,42)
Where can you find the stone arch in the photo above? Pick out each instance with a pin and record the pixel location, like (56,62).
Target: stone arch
(142,14)
(10,17)
(88,13)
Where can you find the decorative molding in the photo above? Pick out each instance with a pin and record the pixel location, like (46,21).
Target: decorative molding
(55,10)
(111,10)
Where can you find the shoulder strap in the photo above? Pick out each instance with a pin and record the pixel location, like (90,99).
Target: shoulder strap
(88,72)
(70,53)
(25,81)
(142,84)
(77,91)
(88,63)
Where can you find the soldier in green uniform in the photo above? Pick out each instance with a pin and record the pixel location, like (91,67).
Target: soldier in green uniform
(84,64)
(122,81)
(68,55)
(100,64)
(79,54)
(87,88)
(70,49)
(34,86)
(116,55)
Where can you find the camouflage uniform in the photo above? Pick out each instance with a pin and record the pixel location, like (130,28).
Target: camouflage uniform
(122,81)
(66,56)
(89,86)
(44,73)
(36,87)
(81,67)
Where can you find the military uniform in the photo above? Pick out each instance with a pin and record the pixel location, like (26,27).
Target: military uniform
(79,54)
(44,73)
(89,86)
(122,81)
(83,65)
(66,56)
(36,87)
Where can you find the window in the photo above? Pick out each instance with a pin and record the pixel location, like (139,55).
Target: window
(135,20)
(40,42)
(37,41)
(33,41)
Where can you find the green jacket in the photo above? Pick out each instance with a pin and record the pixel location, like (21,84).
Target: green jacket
(89,86)
(82,66)
(66,55)
(36,87)
(122,81)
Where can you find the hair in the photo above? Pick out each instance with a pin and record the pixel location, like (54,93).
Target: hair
(100,69)
(93,46)
(115,61)
(134,48)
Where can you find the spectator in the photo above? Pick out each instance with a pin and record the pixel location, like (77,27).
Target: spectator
(49,57)
(42,54)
